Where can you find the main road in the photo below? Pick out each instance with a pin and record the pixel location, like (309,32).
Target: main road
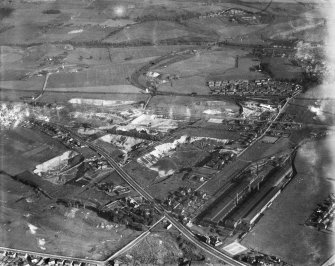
(135,242)
(132,183)
(137,187)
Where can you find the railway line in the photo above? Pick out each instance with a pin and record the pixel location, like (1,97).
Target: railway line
(188,234)
(133,184)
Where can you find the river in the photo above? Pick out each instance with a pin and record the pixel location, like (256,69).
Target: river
(281,232)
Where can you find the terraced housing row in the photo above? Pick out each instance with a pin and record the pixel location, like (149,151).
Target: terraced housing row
(259,87)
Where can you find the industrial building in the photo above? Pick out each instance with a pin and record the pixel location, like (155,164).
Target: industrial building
(257,202)
(244,200)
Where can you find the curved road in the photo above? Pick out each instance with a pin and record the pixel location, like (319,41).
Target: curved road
(43,88)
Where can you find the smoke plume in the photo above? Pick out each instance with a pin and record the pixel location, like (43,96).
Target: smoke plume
(328,84)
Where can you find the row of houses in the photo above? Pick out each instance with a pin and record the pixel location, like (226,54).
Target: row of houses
(236,13)
(284,51)
(323,216)
(252,87)
(13,257)
(231,12)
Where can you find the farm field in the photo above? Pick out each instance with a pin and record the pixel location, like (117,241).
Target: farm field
(155,32)
(28,147)
(34,222)
(112,89)
(224,29)
(101,76)
(35,83)
(191,75)
(282,69)
(98,56)
(74,67)
(204,62)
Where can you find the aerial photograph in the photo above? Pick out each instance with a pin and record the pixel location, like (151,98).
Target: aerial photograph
(167,132)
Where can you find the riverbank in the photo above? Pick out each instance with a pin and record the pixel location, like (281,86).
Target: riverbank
(281,232)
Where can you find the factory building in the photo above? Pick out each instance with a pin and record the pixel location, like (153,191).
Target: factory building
(243,201)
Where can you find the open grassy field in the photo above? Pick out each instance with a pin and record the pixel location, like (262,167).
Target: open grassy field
(203,129)
(84,67)
(311,111)
(32,222)
(161,189)
(155,31)
(156,249)
(101,56)
(172,8)
(35,83)
(221,27)
(23,148)
(114,74)
(105,20)
(144,176)
(241,72)
(10,54)
(28,30)
(289,29)
(186,85)
(218,64)
(204,62)
(292,241)
(281,68)
(166,247)
(262,150)
(281,7)
(83,22)
(99,89)
(75,34)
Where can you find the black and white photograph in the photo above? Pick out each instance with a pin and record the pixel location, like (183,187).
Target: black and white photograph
(167,132)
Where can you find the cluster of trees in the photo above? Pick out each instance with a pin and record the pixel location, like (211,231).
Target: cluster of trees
(132,43)
(135,134)
(190,251)
(168,16)
(135,218)
(265,67)
(5,12)
(215,159)
(100,44)
(310,80)
(195,40)
(51,11)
